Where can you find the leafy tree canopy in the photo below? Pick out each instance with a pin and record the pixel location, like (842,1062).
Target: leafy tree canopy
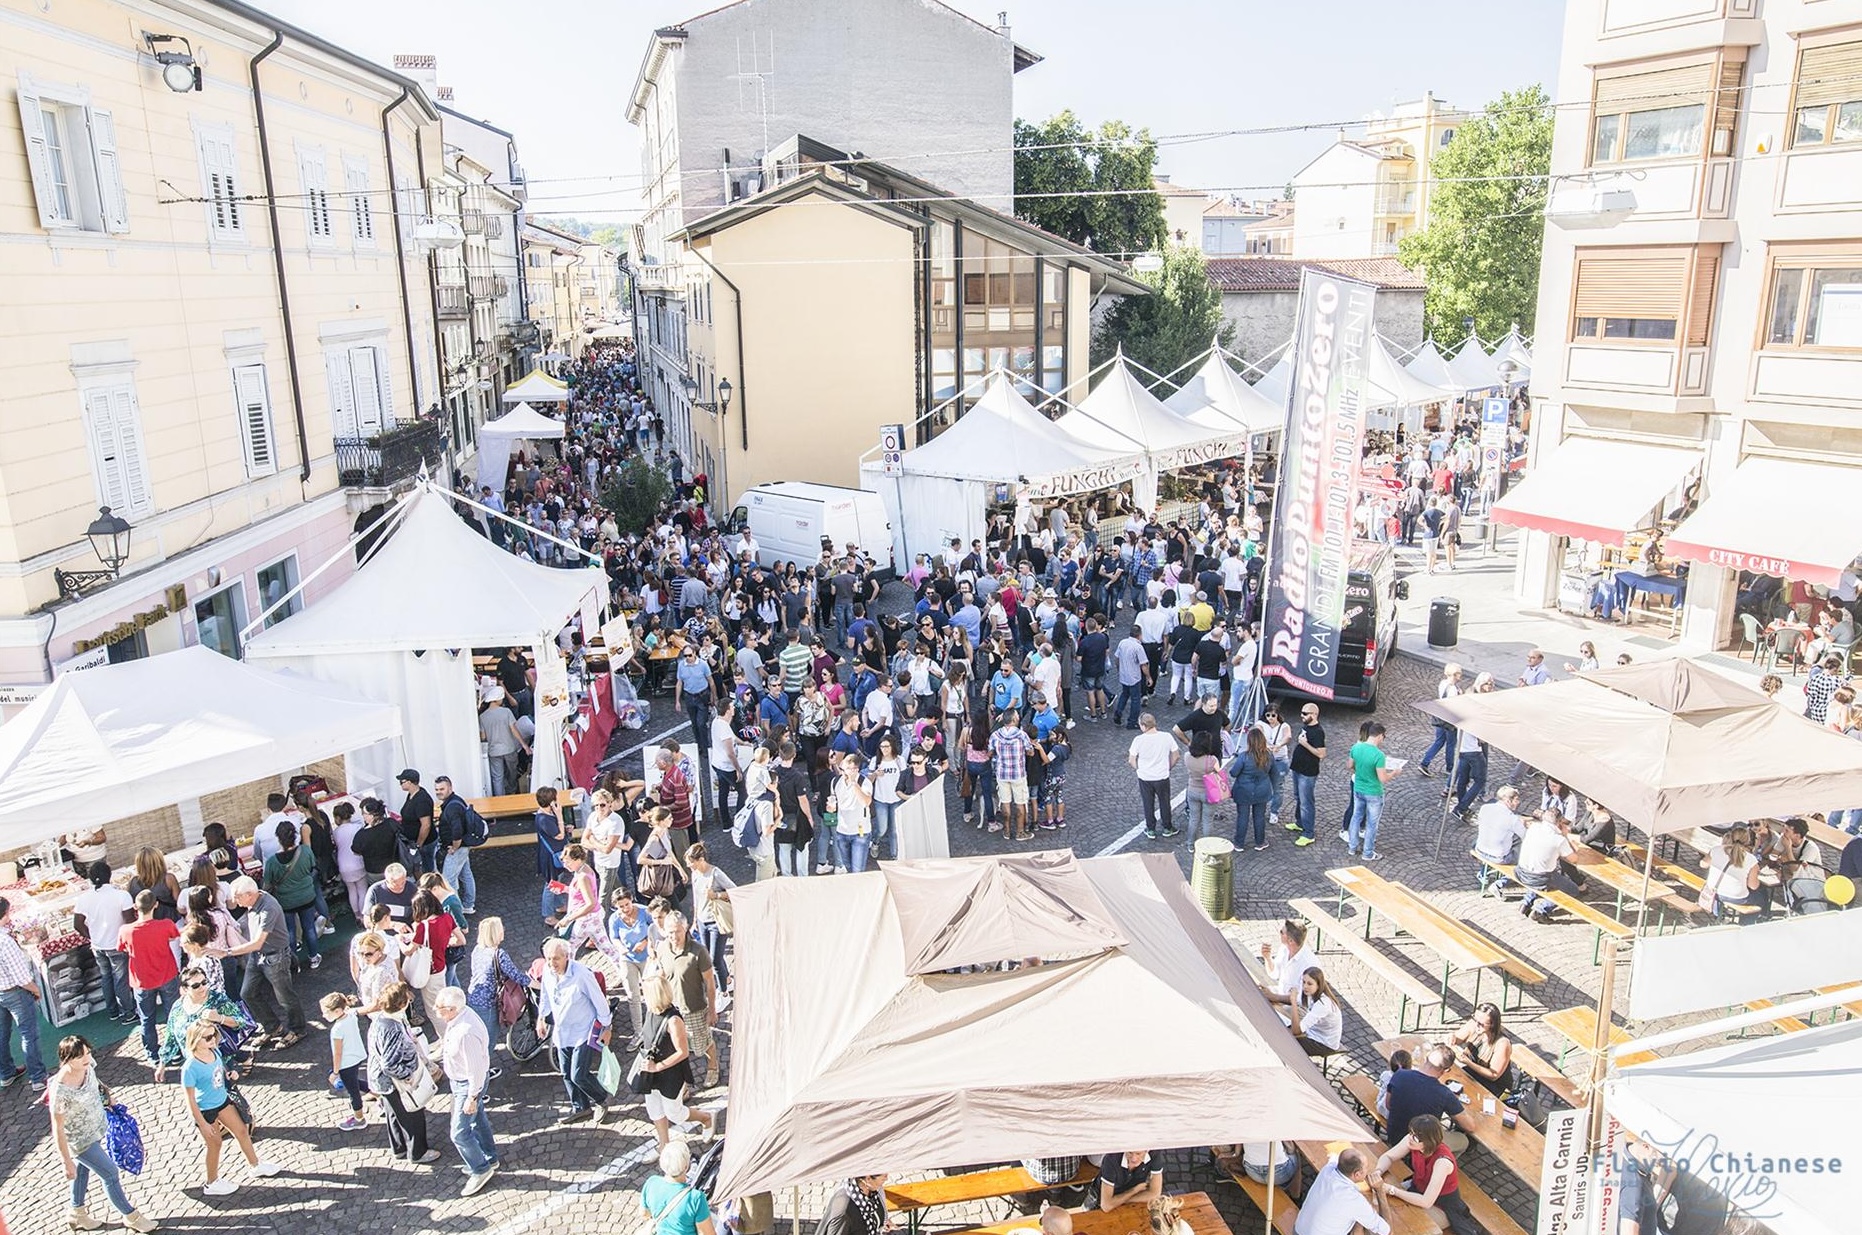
(1119,212)
(1174,324)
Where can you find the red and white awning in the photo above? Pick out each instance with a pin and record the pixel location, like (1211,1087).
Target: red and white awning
(1593,489)
(1777,517)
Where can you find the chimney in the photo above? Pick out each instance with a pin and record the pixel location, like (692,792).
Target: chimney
(424,69)
(1002,23)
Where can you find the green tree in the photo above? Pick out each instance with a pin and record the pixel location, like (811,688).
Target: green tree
(1173,325)
(1095,189)
(1480,252)
(636,497)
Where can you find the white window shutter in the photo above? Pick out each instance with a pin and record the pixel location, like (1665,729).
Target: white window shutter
(129,439)
(362,212)
(343,423)
(106,450)
(111,198)
(385,381)
(367,386)
(255,419)
(38,157)
(219,178)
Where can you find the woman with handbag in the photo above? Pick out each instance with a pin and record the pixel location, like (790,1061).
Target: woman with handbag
(712,918)
(199,1003)
(496,990)
(424,966)
(1253,788)
(215,1105)
(660,872)
(663,1067)
(1207,788)
(400,1072)
(435,882)
(79,1129)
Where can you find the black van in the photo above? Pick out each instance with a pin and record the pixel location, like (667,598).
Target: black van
(1370,635)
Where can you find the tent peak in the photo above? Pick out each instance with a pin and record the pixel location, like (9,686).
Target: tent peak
(985,910)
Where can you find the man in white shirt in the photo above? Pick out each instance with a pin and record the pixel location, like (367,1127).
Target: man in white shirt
(1547,843)
(465,1053)
(1336,1201)
(1152,756)
(266,837)
(1154,623)
(1288,962)
(99,917)
(1498,832)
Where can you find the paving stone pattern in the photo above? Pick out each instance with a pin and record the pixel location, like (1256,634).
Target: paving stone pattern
(584,1178)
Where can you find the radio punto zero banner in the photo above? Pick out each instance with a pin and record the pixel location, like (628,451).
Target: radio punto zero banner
(1309,552)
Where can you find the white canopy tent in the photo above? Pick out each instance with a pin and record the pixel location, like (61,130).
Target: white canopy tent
(402,629)
(105,743)
(943,489)
(1429,365)
(1787,1098)
(496,438)
(536,386)
(1217,398)
(1512,347)
(1472,367)
(1120,414)
(1390,385)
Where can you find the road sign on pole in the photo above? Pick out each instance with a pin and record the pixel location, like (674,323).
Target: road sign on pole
(891,449)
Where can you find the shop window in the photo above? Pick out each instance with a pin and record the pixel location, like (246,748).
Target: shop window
(276,582)
(1815,302)
(219,618)
(1827,98)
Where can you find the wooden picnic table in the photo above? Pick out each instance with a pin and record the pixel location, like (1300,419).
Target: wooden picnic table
(1624,880)
(1578,1027)
(1521,1148)
(921,1194)
(1527,1060)
(1403,1219)
(1134,1219)
(1459,947)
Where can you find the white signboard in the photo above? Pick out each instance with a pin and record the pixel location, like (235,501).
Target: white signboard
(83,660)
(14,695)
(1574,1199)
(891,449)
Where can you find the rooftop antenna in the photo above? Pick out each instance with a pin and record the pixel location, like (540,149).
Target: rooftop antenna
(760,75)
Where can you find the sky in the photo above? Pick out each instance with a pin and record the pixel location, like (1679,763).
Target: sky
(1189,68)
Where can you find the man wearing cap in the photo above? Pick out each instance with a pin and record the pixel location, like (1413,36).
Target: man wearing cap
(417,820)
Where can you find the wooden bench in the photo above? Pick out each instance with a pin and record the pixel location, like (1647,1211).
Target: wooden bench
(1852,1009)
(1503,869)
(506,805)
(1451,940)
(1198,1211)
(1486,1210)
(987,1185)
(1363,1090)
(1409,990)
(1786,1024)
(1578,1027)
(1510,965)
(1602,922)
(1286,1210)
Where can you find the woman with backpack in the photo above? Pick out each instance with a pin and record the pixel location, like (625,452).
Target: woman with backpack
(1251,774)
(290,875)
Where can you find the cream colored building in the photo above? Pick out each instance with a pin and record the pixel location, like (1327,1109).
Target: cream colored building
(832,311)
(551,262)
(1700,302)
(1365,194)
(214,320)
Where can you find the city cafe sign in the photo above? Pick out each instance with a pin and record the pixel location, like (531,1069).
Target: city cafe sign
(122,630)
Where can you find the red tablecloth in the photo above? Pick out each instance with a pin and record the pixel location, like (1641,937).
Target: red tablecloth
(583,749)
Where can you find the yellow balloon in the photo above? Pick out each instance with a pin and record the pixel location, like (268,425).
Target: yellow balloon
(1839,889)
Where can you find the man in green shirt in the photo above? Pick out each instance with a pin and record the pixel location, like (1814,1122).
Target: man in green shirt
(1370,772)
(794,662)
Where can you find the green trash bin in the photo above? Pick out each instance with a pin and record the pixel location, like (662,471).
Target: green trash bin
(1212,876)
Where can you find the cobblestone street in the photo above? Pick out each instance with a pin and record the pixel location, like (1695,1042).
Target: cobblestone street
(560,1179)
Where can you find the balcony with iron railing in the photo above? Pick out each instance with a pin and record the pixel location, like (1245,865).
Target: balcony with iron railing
(389,458)
(450,300)
(494,227)
(483,286)
(472,222)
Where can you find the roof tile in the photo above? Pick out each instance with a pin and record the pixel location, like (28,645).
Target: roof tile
(1282,274)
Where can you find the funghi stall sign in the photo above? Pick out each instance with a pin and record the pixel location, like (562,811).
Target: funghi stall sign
(1310,550)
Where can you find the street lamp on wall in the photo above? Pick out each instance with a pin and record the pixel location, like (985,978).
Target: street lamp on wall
(180,71)
(109,537)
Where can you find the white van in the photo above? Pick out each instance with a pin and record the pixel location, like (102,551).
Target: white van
(791,518)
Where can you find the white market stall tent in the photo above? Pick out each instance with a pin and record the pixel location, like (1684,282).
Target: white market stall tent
(402,629)
(1429,365)
(1216,397)
(943,490)
(497,437)
(1512,347)
(537,386)
(102,744)
(1473,368)
(1388,386)
(1120,414)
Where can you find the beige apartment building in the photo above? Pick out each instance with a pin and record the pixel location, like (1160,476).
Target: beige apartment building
(1698,370)
(550,261)
(1365,193)
(213,321)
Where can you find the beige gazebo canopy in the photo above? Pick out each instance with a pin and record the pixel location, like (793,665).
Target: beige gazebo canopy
(1667,745)
(863,1046)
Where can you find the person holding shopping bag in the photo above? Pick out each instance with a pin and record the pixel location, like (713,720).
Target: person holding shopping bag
(79,1129)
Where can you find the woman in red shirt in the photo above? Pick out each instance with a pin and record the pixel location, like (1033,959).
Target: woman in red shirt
(1434,1179)
(434,930)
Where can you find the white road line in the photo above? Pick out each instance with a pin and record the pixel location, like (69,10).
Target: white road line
(653,741)
(614,1169)
(1137,829)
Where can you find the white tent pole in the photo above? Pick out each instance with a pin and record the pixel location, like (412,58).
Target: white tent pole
(1273,1153)
(1648,867)
(379,528)
(1086,377)
(1739,1020)
(1197,359)
(437,487)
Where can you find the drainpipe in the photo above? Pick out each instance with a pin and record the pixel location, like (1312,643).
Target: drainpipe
(284,291)
(400,255)
(738,301)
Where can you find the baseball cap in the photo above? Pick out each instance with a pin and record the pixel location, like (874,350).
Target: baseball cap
(409,774)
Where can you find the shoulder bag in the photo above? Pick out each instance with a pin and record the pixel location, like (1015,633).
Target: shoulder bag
(511,998)
(417,965)
(418,1089)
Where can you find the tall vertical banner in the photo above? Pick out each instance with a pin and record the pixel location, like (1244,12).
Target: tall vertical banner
(1309,550)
